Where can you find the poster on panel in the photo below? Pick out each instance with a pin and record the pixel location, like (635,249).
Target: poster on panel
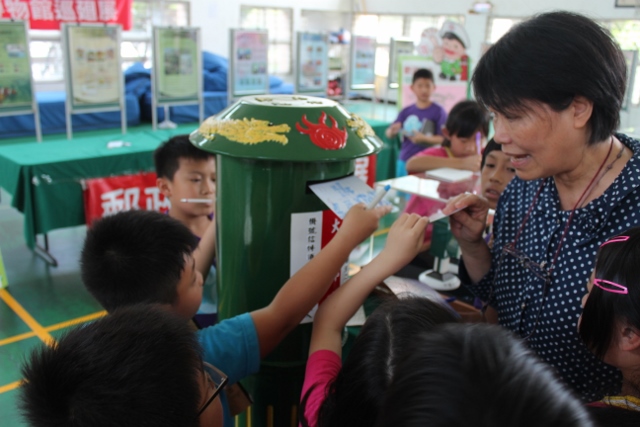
(93,58)
(447,94)
(176,63)
(363,62)
(248,66)
(398,48)
(16,92)
(313,63)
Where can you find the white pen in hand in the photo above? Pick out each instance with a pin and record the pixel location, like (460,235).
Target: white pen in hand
(207,201)
(380,193)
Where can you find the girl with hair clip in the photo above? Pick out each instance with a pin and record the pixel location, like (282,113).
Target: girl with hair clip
(350,395)
(610,324)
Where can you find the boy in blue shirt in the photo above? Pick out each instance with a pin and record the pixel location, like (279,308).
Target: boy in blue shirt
(145,257)
(187,177)
(421,123)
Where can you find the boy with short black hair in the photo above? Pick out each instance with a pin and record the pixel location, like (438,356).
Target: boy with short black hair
(421,123)
(138,366)
(187,177)
(127,254)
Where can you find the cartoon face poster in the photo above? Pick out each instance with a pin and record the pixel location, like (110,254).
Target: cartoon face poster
(444,52)
(447,47)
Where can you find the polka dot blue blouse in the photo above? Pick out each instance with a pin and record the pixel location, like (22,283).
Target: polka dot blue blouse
(550,322)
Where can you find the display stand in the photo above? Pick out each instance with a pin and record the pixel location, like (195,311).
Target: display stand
(177,72)
(17,96)
(93,69)
(248,63)
(312,64)
(362,63)
(398,48)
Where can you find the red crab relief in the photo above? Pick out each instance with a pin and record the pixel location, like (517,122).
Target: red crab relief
(323,136)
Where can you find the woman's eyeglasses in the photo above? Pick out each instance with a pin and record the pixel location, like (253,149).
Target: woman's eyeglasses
(217,381)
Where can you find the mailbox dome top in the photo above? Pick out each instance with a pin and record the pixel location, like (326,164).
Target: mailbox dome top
(288,128)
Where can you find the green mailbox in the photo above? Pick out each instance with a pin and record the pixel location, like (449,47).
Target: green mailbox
(269,149)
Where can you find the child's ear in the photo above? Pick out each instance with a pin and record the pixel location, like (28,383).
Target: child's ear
(445,133)
(629,338)
(165,186)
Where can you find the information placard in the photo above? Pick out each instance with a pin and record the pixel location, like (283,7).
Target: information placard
(312,63)
(15,68)
(398,48)
(363,62)
(248,73)
(93,59)
(177,63)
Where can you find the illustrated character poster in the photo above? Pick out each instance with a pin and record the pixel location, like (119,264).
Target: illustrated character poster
(444,52)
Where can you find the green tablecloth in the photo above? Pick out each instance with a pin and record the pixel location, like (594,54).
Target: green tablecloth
(386,161)
(45,178)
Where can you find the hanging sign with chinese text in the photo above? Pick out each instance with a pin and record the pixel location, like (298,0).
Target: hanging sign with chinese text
(50,14)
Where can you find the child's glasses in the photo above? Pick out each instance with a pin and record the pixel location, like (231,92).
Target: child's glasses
(610,286)
(217,381)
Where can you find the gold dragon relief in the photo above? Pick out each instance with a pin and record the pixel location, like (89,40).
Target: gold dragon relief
(361,128)
(245,131)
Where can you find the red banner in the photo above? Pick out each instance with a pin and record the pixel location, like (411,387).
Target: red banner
(49,14)
(366,169)
(107,196)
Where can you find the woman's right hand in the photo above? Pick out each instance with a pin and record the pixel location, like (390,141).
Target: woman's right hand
(468,219)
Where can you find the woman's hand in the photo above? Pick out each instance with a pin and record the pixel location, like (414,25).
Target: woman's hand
(469,220)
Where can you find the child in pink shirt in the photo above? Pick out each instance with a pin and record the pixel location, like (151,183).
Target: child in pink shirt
(466,125)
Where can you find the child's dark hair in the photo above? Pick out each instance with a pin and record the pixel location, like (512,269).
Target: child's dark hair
(136,366)
(422,73)
(618,262)
(135,257)
(356,394)
(492,145)
(465,119)
(166,157)
(476,375)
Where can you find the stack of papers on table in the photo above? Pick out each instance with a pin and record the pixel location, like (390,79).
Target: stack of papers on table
(449,175)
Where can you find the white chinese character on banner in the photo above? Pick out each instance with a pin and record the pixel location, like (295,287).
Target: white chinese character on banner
(41,10)
(119,200)
(107,10)
(64,10)
(336,226)
(362,168)
(86,10)
(17,9)
(153,202)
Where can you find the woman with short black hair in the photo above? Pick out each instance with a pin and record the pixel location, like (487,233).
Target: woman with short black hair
(555,85)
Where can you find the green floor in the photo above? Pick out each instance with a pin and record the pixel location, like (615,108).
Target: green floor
(42,302)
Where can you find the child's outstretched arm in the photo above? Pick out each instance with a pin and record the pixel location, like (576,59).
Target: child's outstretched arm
(206,250)
(305,288)
(405,241)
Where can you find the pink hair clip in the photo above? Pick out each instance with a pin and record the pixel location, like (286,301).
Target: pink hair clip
(609,286)
(616,239)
